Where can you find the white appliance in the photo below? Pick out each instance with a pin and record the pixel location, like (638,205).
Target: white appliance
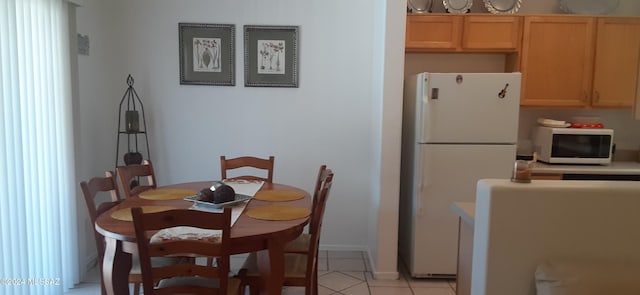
(457,129)
(574,145)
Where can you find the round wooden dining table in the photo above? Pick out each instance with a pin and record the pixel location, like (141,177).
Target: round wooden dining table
(265,237)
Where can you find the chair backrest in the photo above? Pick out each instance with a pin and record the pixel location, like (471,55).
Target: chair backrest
(91,190)
(136,178)
(316,222)
(321,178)
(247,161)
(148,223)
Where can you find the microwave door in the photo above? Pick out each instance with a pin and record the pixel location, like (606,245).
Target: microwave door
(574,145)
(581,146)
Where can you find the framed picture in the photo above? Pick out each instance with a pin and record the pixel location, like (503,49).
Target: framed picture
(207,54)
(270,56)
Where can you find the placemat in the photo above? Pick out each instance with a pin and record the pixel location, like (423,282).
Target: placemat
(278,212)
(166,194)
(125,214)
(279,195)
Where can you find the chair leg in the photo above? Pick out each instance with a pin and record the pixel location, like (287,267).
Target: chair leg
(136,289)
(254,289)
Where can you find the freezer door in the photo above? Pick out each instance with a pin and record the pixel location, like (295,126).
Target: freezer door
(447,174)
(470,108)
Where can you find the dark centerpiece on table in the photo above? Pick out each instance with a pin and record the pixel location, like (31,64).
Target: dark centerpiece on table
(218,193)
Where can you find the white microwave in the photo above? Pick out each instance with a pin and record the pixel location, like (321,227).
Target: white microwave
(573,145)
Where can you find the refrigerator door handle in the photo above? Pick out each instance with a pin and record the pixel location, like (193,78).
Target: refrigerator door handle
(435,93)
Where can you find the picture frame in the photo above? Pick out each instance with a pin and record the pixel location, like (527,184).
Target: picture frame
(207,54)
(271,56)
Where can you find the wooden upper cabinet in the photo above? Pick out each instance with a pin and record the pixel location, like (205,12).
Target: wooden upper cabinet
(617,56)
(463,33)
(433,33)
(557,61)
(492,32)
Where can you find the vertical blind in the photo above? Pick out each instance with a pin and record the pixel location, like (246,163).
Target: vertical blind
(38,245)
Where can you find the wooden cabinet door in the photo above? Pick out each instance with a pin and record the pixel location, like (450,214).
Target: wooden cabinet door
(492,33)
(557,61)
(433,33)
(617,56)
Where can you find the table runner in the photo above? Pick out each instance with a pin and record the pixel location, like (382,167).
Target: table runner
(166,194)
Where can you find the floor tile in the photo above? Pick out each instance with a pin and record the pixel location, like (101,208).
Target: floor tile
(323,264)
(433,291)
(390,291)
(300,291)
(359,289)
(428,283)
(340,273)
(401,282)
(337,281)
(360,275)
(345,254)
(346,264)
(325,291)
(85,289)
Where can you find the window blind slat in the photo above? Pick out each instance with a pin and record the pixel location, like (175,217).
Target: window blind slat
(37,210)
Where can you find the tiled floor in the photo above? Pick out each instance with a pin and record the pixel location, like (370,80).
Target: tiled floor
(340,273)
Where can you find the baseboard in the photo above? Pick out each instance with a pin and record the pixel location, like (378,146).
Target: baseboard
(385,275)
(90,262)
(325,247)
(381,275)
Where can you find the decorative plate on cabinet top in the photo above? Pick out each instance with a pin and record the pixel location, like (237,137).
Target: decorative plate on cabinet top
(420,6)
(457,6)
(502,6)
(589,6)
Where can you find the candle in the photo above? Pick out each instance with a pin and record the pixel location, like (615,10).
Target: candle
(132,121)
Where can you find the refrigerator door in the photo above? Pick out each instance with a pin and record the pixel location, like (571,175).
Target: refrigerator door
(447,174)
(469,108)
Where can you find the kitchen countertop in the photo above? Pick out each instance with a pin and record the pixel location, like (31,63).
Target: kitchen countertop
(615,168)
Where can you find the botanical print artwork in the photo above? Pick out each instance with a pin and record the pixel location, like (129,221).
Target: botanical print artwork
(206,54)
(271,57)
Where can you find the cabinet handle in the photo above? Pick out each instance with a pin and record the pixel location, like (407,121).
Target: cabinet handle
(597,98)
(586,97)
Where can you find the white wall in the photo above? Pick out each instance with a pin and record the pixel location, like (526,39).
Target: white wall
(327,120)
(99,91)
(333,118)
(383,226)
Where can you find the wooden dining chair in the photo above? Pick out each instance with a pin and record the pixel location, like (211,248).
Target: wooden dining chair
(301,243)
(185,278)
(136,178)
(247,162)
(92,190)
(301,270)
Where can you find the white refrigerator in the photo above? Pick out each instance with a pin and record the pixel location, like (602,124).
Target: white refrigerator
(457,129)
